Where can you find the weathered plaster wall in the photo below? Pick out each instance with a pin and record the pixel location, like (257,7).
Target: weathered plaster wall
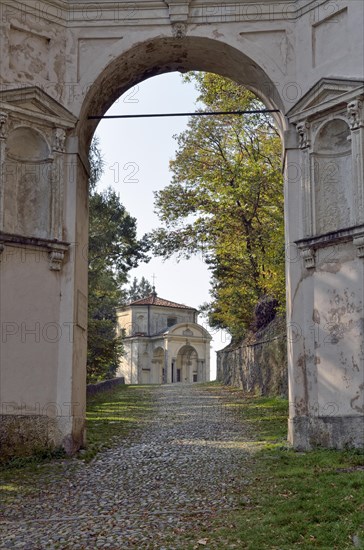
(36,48)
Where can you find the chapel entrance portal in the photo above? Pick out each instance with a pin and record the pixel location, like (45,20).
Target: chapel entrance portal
(187,365)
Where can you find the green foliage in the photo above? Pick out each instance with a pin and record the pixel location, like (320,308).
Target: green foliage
(113,250)
(37,457)
(139,289)
(113,243)
(96,164)
(226,202)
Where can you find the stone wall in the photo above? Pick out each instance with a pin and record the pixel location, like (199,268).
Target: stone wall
(259,364)
(93,389)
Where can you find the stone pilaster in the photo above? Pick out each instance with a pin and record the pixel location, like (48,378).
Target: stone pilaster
(355,112)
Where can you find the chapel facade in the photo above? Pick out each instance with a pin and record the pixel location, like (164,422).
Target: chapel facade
(163,343)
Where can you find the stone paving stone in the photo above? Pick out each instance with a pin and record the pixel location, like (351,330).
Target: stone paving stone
(188,464)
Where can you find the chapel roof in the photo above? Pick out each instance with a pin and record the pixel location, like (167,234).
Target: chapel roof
(154,300)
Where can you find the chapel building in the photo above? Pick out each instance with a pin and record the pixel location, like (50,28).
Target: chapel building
(163,343)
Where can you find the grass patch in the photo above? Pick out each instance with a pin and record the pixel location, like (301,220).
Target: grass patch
(295,499)
(303,500)
(111,415)
(38,457)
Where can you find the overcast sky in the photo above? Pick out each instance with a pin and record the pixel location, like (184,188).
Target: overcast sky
(137,154)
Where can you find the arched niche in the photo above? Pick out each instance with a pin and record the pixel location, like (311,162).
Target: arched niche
(27,145)
(141,324)
(158,356)
(333,189)
(27,208)
(187,363)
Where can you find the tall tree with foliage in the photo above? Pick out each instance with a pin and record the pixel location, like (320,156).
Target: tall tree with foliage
(113,250)
(139,289)
(226,201)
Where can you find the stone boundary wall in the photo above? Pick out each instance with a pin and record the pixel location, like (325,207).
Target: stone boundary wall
(259,364)
(93,389)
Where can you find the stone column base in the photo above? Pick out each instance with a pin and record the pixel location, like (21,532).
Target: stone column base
(331,432)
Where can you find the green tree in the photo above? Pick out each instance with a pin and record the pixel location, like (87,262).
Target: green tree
(225,201)
(139,289)
(113,250)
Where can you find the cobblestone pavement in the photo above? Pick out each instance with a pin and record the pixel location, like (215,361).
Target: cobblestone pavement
(148,491)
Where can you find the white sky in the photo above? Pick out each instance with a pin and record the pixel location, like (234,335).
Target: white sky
(137,154)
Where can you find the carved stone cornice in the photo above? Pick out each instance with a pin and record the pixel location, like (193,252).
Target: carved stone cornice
(56,249)
(356,114)
(145,12)
(328,95)
(331,238)
(32,104)
(309,245)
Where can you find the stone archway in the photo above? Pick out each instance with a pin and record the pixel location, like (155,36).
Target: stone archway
(187,365)
(63,63)
(161,55)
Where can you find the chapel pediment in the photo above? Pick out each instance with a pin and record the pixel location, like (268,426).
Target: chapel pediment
(184,330)
(34,101)
(326,94)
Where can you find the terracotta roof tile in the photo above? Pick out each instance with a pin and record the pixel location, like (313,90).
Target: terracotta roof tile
(154,300)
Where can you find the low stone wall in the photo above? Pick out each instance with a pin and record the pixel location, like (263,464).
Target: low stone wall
(259,364)
(93,389)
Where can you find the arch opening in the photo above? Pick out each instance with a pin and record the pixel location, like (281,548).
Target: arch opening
(167,55)
(317,177)
(163,55)
(188,367)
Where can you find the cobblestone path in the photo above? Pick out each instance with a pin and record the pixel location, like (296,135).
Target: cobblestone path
(147,492)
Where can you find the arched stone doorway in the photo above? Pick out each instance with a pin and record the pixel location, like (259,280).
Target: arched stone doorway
(187,365)
(83,59)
